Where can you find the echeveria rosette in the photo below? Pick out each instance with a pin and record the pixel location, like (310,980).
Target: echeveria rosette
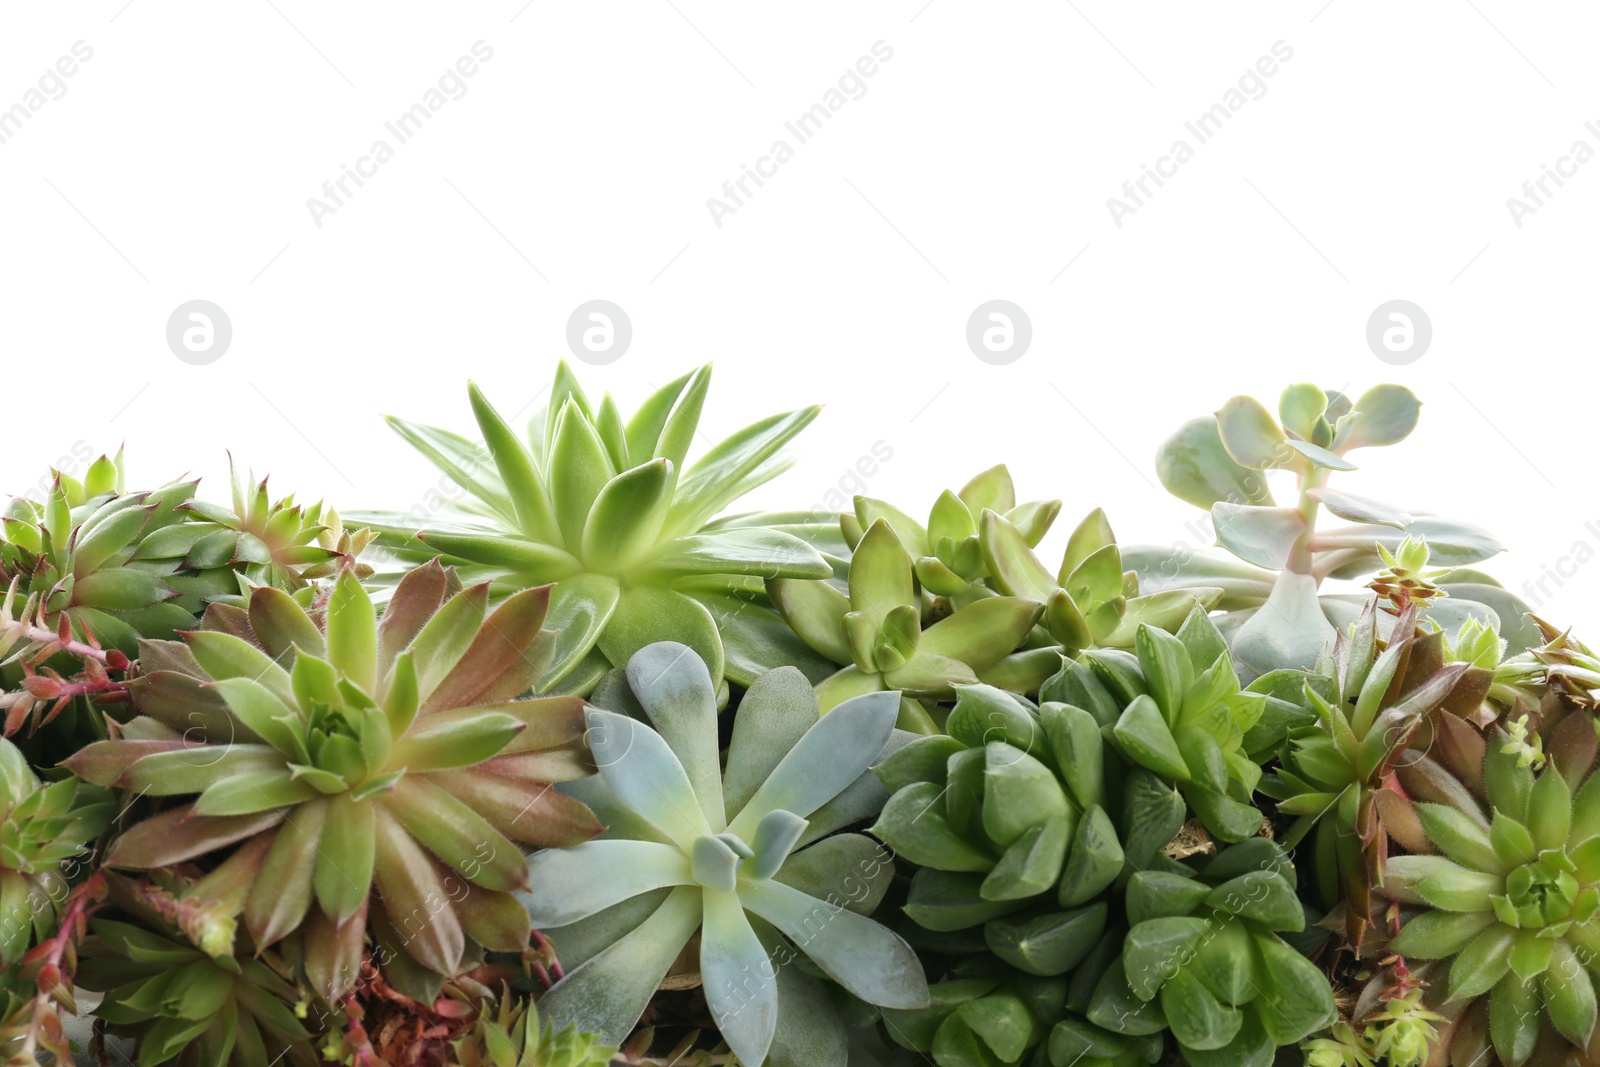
(1090,602)
(1176,708)
(744,858)
(876,631)
(1502,888)
(948,557)
(1277,558)
(344,752)
(609,511)
(1367,705)
(1204,959)
(1023,824)
(42,827)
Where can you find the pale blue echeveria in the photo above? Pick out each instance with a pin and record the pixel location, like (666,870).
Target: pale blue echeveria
(742,857)
(610,511)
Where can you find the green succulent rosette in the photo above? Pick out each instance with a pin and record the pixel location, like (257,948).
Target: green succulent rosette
(611,511)
(1023,824)
(1204,960)
(1501,889)
(1176,708)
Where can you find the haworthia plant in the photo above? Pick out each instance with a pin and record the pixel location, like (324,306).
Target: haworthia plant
(742,857)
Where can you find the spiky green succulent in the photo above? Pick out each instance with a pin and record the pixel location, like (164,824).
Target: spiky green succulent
(513,1035)
(1365,708)
(1204,959)
(946,551)
(1275,614)
(1501,887)
(122,565)
(1023,823)
(744,857)
(876,631)
(338,752)
(609,510)
(42,828)
(1175,707)
(180,1005)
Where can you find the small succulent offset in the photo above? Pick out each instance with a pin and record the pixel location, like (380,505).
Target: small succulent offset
(1502,888)
(877,631)
(42,827)
(513,1035)
(609,511)
(1275,616)
(341,752)
(741,857)
(1366,706)
(948,557)
(1204,959)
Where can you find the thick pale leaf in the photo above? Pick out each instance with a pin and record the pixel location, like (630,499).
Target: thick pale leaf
(571,884)
(1251,435)
(740,981)
(1262,536)
(862,956)
(608,992)
(642,770)
(836,751)
(676,692)
(1194,466)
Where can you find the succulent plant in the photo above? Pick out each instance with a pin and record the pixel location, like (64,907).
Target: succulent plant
(1090,602)
(1275,617)
(1369,702)
(1024,825)
(123,565)
(1501,887)
(948,558)
(742,857)
(341,753)
(179,1005)
(42,827)
(608,510)
(877,630)
(514,1036)
(1203,958)
(1176,708)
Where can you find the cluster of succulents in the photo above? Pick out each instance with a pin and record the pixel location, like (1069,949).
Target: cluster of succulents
(586,771)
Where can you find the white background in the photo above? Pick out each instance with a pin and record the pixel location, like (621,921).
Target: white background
(977,165)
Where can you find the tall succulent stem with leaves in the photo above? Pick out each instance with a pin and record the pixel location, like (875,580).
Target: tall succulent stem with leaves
(1276,615)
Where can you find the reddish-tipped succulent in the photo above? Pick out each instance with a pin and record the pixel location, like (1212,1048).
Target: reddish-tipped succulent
(336,752)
